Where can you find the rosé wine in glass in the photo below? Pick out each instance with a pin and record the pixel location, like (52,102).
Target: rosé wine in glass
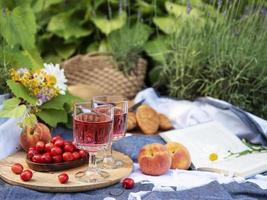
(92,129)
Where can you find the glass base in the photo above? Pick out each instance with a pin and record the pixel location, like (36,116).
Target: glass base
(92,176)
(110,163)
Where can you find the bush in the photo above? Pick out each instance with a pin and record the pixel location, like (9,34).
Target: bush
(224,58)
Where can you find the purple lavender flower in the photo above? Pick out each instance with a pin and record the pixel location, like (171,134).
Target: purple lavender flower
(219,4)
(188,7)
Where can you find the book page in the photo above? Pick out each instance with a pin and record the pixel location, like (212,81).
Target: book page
(203,139)
(244,166)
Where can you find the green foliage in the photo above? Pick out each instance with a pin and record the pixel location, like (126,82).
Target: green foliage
(11,108)
(53,117)
(15,30)
(224,58)
(127,44)
(21,92)
(17,39)
(106,26)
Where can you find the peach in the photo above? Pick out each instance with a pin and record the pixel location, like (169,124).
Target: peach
(154,159)
(30,136)
(180,155)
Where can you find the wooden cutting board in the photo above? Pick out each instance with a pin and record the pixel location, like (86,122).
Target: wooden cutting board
(48,181)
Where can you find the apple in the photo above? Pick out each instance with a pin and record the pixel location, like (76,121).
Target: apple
(180,155)
(154,159)
(30,136)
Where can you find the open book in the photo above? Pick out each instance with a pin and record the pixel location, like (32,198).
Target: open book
(203,139)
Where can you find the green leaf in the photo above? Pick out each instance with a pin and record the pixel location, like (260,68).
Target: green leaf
(106,26)
(144,7)
(65,51)
(52,117)
(15,58)
(35,58)
(93,47)
(18,26)
(66,26)
(29,121)
(166,24)
(57,103)
(20,91)
(181,11)
(104,46)
(18,111)
(154,75)
(157,49)
(11,103)
(39,5)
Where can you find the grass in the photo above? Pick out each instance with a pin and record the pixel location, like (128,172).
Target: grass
(224,58)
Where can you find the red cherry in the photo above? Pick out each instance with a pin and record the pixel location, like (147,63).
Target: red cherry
(56,151)
(37,158)
(127,183)
(49,146)
(67,142)
(46,158)
(32,148)
(83,154)
(55,138)
(17,168)
(26,175)
(74,146)
(59,143)
(63,178)
(67,156)
(75,155)
(31,153)
(40,146)
(57,158)
(68,148)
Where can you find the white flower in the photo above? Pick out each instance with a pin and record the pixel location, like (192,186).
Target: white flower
(58,73)
(207,150)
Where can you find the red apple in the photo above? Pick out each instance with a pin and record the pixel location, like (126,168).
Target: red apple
(30,136)
(154,159)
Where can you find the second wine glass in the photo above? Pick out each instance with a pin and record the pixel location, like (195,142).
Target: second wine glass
(120,105)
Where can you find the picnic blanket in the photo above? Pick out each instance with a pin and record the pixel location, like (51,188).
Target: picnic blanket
(189,185)
(176,184)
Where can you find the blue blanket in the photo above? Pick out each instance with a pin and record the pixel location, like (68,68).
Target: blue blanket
(131,145)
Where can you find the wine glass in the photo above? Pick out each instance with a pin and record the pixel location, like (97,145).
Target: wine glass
(92,129)
(119,127)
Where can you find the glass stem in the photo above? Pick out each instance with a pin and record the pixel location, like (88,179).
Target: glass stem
(92,162)
(108,159)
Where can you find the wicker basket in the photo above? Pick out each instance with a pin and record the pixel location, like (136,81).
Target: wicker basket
(100,70)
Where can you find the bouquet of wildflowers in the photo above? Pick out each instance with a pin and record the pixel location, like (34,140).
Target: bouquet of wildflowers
(38,94)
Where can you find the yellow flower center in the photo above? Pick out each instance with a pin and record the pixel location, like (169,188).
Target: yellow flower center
(213,156)
(51,80)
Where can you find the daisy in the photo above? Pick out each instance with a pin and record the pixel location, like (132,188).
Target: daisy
(58,73)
